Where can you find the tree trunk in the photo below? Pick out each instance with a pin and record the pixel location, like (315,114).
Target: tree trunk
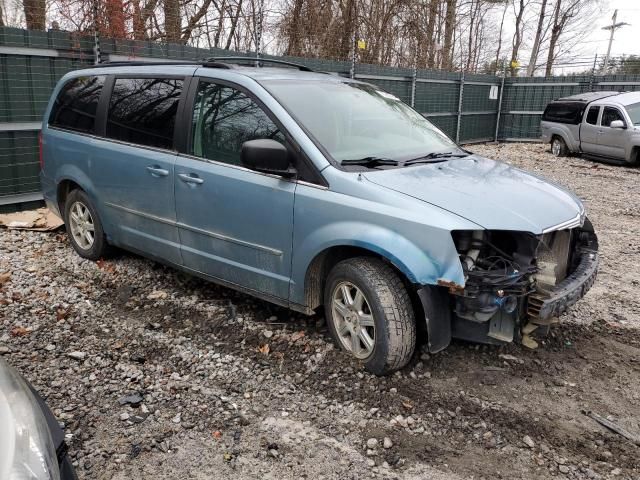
(555,33)
(431,24)
(499,50)
(172,24)
(34,14)
(1,16)
(115,19)
(234,23)
(535,49)
(293,43)
(449,26)
(517,39)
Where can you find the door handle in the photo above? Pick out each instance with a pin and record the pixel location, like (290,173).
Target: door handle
(190,178)
(157,171)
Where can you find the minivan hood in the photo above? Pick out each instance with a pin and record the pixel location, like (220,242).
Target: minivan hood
(491,194)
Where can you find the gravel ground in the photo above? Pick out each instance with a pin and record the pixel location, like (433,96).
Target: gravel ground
(159,375)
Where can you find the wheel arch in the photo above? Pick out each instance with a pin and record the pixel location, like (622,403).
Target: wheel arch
(324,261)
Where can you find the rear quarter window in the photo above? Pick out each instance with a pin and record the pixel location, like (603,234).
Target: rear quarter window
(76,105)
(564,112)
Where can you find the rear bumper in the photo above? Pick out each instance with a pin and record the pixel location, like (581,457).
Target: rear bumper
(545,305)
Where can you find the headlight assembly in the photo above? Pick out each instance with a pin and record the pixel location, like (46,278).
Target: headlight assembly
(26,448)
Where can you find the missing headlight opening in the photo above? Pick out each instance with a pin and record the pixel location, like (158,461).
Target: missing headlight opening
(517,282)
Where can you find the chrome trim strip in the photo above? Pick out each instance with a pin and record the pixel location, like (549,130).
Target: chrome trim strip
(577,221)
(231,165)
(309,184)
(166,221)
(218,236)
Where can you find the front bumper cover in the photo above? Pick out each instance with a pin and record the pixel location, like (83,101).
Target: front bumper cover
(544,305)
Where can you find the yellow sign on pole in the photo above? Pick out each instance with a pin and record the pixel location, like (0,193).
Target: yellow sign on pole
(515,64)
(362,45)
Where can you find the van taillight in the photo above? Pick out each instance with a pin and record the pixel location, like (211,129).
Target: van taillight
(40,157)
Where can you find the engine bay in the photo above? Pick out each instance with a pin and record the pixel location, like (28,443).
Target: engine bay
(507,274)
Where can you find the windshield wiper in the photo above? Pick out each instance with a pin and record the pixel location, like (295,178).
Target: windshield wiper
(369,161)
(435,157)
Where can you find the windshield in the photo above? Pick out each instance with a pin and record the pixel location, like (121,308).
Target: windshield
(357,121)
(634,112)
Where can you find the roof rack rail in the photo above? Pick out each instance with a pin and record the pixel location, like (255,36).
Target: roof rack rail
(300,67)
(138,63)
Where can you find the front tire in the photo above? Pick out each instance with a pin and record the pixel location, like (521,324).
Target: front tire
(559,147)
(370,315)
(84,227)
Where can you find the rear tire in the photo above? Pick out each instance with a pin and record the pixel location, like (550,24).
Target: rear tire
(635,158)
(84,227)
(370,315)
(559,147)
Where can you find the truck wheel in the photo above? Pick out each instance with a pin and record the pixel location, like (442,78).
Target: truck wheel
(370,314)
(559,147)
(83,226)
(635,158)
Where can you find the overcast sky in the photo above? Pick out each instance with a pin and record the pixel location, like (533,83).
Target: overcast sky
(626,40)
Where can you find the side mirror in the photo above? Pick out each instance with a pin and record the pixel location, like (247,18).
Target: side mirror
(618,124)
(267,156)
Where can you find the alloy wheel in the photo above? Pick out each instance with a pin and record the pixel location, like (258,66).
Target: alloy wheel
(353,320)
(81,225)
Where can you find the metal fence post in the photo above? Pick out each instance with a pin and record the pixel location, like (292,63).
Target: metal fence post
(414,76)
(460,98)
(495,139)
(593,73)
(96,35)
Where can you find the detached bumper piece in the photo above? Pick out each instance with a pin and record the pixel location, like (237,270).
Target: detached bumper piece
(545,305)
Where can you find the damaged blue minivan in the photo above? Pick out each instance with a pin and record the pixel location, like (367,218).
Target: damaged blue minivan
(311,191)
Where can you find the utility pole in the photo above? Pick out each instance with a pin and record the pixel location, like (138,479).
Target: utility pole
(613,28)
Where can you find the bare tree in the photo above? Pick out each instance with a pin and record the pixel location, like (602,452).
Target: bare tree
(449,27)
(566,14)
(519,7)
(535,48)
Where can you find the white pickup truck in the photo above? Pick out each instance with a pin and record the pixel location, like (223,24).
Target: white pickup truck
(600,124)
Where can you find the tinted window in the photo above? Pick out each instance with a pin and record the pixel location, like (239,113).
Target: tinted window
(609,115)
(223,119)
(143,110)
(564,112)
(76,104)
(592,116)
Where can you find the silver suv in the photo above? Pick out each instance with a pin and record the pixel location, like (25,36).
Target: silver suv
(601,124)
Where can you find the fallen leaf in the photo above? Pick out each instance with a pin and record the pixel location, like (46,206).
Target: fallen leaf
(4,278)
(61,314)
(297,336)
(407,405)
(217,434)
(157,295)
(20,331)
(264,349)
(106,266)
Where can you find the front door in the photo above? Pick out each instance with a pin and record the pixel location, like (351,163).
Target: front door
(235,224)
(134,171)
(612,140)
